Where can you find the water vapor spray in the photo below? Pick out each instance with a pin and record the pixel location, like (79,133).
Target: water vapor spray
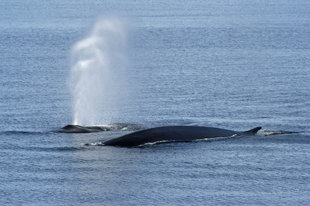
(98,73)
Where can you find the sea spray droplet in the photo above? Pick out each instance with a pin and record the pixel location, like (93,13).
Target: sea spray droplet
(98,73)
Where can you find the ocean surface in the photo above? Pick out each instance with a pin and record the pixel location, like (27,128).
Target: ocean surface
(230,64)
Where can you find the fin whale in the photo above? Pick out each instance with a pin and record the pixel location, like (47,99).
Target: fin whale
(90,129)
(173,134)
(82,129)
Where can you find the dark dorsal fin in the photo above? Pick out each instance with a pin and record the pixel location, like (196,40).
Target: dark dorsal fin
(253,131)
(70,126)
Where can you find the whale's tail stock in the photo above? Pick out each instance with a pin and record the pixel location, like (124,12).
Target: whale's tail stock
(253,131)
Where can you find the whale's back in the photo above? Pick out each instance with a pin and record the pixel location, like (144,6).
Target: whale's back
(169,134)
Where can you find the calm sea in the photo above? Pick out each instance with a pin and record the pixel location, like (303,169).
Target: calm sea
(231,64)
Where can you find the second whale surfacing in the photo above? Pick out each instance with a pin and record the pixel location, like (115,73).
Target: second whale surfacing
(174,134)
(103,128)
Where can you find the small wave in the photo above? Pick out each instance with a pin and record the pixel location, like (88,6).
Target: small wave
(271,132)
(217,138)
(148,144)
(14,132)
(94,144)
(55,149)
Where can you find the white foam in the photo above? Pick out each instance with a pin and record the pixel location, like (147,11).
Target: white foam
(271,132)
(219,138)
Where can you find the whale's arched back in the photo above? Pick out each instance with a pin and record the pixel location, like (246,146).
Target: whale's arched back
(174,134)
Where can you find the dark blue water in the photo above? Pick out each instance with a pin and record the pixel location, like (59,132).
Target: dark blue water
(228,64)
